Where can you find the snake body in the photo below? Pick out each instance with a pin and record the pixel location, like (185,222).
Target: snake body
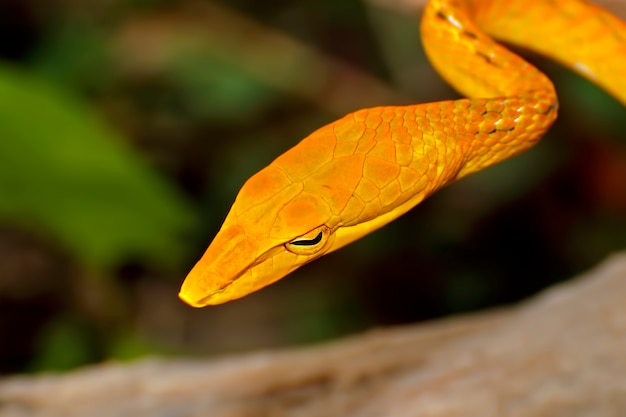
(362,171)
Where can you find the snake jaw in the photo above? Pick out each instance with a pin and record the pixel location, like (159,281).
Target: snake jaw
(236,265)
(203,286)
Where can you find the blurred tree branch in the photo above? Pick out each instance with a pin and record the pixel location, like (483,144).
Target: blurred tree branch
(152,42)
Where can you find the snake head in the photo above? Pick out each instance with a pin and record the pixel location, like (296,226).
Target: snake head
(283,217)
(334,187)
(263,238)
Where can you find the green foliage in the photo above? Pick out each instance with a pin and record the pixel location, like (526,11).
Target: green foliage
(63,172)
(217,90)
(129,345)
(74,55)
(65,343)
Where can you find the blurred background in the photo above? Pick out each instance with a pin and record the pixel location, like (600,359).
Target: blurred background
(127,127)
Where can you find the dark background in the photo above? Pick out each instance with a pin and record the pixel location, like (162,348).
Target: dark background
(127,127)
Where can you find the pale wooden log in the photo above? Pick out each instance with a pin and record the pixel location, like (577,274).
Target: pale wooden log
(562,353)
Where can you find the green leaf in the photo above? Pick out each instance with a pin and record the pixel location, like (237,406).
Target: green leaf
(65,173)
(65,343)
(206,81)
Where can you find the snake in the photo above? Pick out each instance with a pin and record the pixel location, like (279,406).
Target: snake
(362,171)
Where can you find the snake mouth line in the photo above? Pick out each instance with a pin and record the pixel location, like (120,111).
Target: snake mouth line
(215,294)
(197,303)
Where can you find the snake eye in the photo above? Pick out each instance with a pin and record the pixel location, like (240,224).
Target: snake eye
(309,243)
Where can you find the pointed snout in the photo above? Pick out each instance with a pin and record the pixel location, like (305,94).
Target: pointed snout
(197,289)
(225,261)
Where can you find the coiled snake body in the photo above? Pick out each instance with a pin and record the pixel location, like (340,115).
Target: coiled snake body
(362,171)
